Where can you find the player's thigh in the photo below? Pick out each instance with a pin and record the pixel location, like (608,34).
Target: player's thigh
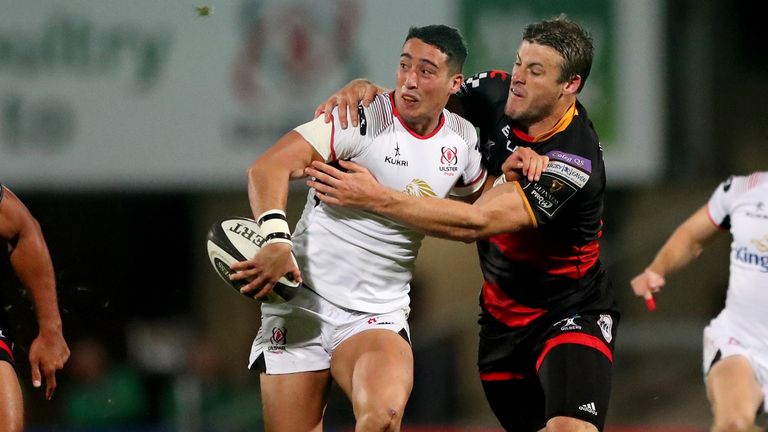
(294,401)
(375,369)
(11,402)
(732,387)
(576,380)
(518,403)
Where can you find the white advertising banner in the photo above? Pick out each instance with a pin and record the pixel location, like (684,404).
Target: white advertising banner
(180,94)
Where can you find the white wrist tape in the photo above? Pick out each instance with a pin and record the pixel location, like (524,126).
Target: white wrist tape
(274,227)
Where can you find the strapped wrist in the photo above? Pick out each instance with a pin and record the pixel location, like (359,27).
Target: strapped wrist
(274,227)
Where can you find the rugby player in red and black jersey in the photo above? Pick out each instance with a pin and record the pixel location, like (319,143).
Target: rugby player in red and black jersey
(549,318)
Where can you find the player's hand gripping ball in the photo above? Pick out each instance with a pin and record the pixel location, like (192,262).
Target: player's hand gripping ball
(237,239)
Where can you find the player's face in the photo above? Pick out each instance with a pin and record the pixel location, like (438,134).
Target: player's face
(536,95)
(424,83)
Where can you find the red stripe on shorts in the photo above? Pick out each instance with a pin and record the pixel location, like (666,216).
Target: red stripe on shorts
(500,376)
(574,338)
(5,347)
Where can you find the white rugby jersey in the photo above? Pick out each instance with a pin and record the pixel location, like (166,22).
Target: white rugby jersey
(740,204)
(357,259)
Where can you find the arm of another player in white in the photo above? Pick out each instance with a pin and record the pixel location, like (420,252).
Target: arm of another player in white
(683,246)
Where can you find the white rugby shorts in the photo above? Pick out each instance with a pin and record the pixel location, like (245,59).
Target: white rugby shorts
(721,335)
(301,335)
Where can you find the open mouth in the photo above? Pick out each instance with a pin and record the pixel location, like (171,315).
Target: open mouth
(410,100)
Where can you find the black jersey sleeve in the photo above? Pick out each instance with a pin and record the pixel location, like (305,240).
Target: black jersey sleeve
(569,194)
(481,94)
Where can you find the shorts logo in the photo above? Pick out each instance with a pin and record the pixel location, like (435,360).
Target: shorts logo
(590,408)
(606,323)
(278,339)
(568,323)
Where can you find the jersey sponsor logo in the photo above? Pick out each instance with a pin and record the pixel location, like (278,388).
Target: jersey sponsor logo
(568,323)
(505,130)
(606,324)
(278,339)
(449,158)
(395,160)
(419,188)
(549,194)
(758,213)
(568,172)
(571,159)
(745,255)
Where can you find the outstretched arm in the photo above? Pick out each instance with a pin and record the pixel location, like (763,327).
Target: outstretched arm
(32,264)
(268,179)
(500,209)
(685,244)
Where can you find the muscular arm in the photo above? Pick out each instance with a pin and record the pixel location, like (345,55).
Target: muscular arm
(32,264)
(500,209)
(269,175)
(684,245)
(268,182)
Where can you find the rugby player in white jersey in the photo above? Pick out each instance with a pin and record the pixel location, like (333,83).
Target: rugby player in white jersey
(736,341)
(350,323)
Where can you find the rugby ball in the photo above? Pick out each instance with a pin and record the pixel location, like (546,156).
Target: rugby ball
(236,239)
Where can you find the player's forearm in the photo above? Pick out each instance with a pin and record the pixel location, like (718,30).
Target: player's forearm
(679,250)
(453,220)
(685,244)
(267,188)
(32,264)
(269,175)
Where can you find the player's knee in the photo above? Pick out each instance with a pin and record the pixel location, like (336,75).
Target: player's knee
(734,422)
(379,420)
(569,424)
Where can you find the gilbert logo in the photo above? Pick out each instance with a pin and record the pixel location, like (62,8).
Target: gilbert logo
(247,233)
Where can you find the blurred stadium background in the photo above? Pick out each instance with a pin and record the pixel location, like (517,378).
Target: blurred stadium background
(127,128)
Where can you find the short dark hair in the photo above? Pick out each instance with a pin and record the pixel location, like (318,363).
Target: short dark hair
(446,39)
(569,39)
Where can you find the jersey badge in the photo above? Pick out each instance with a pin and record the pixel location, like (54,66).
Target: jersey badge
(449,158)
(419,188)
(606,323)
(278,339)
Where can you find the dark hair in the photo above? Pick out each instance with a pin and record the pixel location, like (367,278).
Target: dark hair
(446,39)
(567,38)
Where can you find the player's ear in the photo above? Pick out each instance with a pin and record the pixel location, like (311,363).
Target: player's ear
(456,81)
(572,85)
